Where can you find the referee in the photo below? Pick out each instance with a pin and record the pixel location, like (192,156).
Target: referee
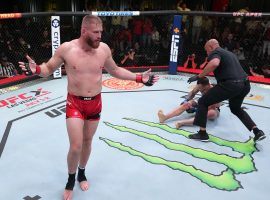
(7,69)
(232,85)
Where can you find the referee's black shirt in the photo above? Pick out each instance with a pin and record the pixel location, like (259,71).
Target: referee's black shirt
(229,67)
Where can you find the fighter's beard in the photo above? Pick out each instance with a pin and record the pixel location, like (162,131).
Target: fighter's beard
(93,44)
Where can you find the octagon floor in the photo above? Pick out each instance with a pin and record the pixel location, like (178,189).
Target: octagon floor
(133,157)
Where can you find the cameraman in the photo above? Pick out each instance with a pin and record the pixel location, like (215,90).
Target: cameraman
(128,59)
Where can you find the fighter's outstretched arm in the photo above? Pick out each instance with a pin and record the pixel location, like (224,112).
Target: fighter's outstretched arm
(44,69)
(146,77)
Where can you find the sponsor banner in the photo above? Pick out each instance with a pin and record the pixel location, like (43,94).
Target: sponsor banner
(10,15)
(27,100)
(116,13)
(175,44)
(248,14)
(55,33)
(173,78)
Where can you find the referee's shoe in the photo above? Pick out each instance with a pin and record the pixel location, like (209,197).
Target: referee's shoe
(259,136)
(201,135)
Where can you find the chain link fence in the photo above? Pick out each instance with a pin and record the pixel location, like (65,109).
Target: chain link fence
(143,40)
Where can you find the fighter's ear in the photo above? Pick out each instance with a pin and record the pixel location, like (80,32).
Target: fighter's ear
(83,30)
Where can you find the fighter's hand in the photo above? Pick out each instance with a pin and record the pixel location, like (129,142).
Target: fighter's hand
(193,78)
(149,79)
(29,68)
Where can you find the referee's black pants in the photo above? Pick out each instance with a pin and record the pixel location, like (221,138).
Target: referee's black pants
(232,91)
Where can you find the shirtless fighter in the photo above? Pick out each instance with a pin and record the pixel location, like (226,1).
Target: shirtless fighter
(83,59)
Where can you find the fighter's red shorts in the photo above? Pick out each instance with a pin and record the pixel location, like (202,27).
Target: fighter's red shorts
(86,108)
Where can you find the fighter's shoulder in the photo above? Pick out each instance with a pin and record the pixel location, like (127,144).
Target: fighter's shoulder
(104,47)
(68,44)
(63,47)
(66,47)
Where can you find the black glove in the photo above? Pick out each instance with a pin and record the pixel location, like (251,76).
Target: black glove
(28,71)
(150,81)
(193,78)
(192,110)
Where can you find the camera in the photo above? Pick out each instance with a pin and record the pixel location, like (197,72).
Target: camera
(129,51)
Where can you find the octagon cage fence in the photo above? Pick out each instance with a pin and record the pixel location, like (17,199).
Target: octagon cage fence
(147,35)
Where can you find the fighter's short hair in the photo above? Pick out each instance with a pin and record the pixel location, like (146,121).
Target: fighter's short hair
(203,81)
(88,19)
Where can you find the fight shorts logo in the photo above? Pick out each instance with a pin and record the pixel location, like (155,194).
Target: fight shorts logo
(118,84)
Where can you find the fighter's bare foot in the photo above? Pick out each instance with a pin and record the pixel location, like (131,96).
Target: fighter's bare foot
(161,116)
(178,125)
(84,185)
(68,194)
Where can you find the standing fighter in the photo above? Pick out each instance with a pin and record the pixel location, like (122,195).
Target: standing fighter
(232,85)
(83,59)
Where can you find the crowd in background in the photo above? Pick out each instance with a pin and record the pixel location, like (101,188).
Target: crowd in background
(145,40)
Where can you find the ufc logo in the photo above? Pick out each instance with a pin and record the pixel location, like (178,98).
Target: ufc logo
(22,97)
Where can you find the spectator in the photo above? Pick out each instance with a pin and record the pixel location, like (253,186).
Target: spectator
(249,43)
(125,21)
(146,5)
(215,33)
(230,43)
(190,62)
(239,52)
(116,39)
(106,36)
(156,42)
(23,47)
(224,35)
(125,39)
(182,6)
(252,24)
(238,20)
(265,72)
(128,59)
(137,30)
(207,26)
(147,31)
(45,45)
(266,39)
(116,23)
(3,44)
(89,6)
(197,25)
(17,49)
(155,37)
(116,56)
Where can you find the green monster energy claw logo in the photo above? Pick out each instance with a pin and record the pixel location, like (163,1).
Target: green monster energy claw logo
(226,180)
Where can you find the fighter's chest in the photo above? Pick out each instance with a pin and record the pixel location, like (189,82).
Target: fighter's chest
(82,61)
